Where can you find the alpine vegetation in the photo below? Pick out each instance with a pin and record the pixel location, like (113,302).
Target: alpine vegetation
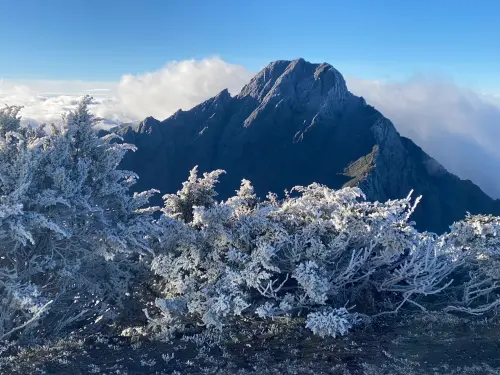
(77,247)
(69,229)
(327,255)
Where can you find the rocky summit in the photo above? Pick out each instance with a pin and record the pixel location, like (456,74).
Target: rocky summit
(293,124)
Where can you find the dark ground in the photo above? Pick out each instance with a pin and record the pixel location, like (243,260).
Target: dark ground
(424,345)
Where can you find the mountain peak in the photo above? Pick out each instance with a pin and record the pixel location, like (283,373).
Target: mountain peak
(298,79)
(223,96)
(293,124)
(148,125)
(297,83)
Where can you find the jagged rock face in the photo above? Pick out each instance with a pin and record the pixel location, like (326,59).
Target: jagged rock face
(293,124)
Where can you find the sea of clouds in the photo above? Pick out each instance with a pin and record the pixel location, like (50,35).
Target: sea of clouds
(457,126)
(177,85)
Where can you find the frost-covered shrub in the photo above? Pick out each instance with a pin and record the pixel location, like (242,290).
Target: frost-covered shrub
(195,192)
(308,254)
(332,322)
(64,209)
(475,241)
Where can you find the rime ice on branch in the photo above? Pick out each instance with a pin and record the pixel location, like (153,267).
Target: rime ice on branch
(327,254)
(65,208)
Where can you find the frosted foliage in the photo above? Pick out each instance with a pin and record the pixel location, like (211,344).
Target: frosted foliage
(195,192)
(477,240)
(319,252)
(64,210)
(74,242)
(312,281)
(334,322)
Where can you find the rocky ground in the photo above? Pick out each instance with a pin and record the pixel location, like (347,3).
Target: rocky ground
(424,345)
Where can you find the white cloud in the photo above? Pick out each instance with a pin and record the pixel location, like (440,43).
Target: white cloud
(178,85)
(457,126)
(47,101)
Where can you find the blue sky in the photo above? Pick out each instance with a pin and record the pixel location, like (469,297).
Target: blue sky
(432,67)
(388,39)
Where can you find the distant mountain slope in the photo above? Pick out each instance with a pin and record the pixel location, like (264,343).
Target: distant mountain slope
(295,123)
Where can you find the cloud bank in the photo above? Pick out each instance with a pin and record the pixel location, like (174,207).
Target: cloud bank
(48,101)
(178,85)
(457,126)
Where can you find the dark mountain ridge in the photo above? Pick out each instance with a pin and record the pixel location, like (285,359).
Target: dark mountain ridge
(293,124)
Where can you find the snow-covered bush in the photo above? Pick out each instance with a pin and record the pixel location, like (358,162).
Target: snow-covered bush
(64,209)
(73,241)
(475,241)
(332,322)
(195,192)
(308,254)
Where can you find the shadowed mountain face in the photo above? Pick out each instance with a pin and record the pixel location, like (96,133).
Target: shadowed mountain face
(293,124)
